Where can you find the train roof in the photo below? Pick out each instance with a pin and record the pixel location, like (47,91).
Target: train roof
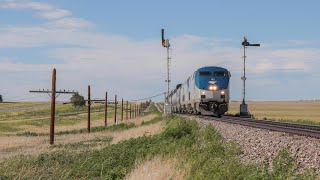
(211,68)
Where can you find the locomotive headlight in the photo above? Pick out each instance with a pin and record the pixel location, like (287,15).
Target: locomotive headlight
(213,88)
(222,92)
(203,93)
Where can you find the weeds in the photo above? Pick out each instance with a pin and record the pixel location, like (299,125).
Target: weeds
(153,121)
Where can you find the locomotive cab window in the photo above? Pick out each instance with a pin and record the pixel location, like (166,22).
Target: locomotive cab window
(219,73)
(205,73)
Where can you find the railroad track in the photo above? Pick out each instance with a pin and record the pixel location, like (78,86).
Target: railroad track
(292,128)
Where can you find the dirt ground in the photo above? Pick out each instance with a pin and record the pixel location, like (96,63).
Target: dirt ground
(156,169)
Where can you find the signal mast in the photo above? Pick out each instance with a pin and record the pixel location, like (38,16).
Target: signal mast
(243,106)
(166,44)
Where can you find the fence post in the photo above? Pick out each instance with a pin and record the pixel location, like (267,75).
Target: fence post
(122,109)
(53,105)
(115,110)
(106,110)
(127,111)
(89,108)
(130,112)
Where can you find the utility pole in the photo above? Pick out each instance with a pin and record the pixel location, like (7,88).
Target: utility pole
(89,108)
(106,110)
(53,105)
(53,97)
(243,106)
(166,44)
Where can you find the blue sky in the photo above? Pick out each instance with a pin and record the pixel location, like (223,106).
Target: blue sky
(115,46)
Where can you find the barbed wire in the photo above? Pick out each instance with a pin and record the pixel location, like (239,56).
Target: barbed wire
(148,97)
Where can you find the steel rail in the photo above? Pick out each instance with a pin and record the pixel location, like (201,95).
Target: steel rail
(292,128)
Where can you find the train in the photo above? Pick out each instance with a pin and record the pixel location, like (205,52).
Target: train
(206,92)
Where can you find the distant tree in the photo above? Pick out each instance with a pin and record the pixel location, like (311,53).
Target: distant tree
(77,100)
(1,100)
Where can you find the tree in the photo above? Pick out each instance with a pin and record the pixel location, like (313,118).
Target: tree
(77,100)
(1,100)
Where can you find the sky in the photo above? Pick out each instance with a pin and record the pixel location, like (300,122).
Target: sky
(115,46)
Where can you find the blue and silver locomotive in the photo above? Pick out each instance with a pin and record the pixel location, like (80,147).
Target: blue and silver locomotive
(205,92)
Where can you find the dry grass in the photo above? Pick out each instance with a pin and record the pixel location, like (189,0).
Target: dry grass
(286,110)
(157,169)
(15,145)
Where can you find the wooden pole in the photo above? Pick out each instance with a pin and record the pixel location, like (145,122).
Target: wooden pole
(121,109)
(53,106)
(130,112)
(89,108)
(115,109)
(106,110)
(127,110)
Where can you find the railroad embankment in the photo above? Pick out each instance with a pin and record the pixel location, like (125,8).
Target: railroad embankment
(261,147)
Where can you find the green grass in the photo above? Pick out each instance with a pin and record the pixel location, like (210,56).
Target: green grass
(84,145)
(40,117)
(44,112)
(119,127)
(20,104)
(202,152)
(153,121)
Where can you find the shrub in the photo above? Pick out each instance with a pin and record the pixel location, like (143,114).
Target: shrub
(77,100)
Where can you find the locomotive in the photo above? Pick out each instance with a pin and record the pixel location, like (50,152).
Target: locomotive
(205,92)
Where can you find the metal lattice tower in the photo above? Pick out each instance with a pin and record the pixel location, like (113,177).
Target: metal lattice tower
(166,44)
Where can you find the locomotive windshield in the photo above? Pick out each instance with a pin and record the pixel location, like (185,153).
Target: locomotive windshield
(219,73)
(205,73)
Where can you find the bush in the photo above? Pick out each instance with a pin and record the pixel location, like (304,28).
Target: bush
(77,100)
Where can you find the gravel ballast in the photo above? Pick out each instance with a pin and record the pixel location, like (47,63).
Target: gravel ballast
(260,146)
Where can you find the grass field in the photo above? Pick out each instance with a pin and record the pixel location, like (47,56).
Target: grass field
(179,147)
(297,111)
(37,119)
(20,104)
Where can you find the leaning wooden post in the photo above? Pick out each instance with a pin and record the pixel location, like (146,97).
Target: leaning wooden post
(130,112)
(121,109)
(53,106)
(89,108)
(127,110)
(115,110)
(137,110)
(106,110)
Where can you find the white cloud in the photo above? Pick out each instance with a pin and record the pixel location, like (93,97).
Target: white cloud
(71,23)
(43,10)
(54,14)
(14,4)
